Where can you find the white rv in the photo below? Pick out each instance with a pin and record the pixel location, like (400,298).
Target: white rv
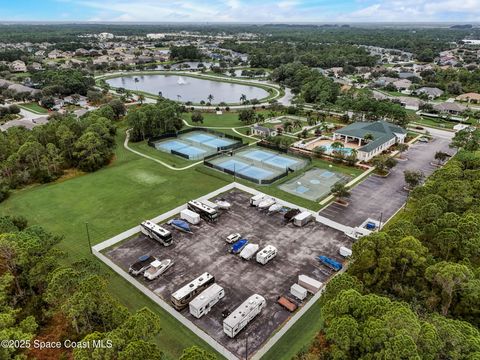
(256,199)
(205,212)
(184,295)
(242,315)
(248,251)
(156,232)
(204,302)
(302,219)
(210,204)
(266,254)
(190,216)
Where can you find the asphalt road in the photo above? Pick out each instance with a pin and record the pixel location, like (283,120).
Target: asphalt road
(379,198)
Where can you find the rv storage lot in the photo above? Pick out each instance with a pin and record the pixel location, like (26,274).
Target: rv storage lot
(206,251)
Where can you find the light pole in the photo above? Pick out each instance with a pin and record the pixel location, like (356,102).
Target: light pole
(380,225)
(88,237)
(246,346)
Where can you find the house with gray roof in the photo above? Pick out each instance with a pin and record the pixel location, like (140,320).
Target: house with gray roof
(383,135)
(431,92)
(450,108)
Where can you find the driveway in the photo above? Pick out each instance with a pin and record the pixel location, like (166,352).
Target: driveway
(379,198)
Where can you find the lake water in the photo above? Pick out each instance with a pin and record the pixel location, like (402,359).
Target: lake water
(186,88)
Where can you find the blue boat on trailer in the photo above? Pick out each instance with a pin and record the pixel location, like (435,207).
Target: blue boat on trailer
(332,264)
(180,225)
(238,246)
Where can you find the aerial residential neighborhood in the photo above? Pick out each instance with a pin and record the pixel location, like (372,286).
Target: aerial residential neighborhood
(239,180)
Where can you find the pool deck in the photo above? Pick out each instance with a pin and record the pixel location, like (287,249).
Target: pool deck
(324,142)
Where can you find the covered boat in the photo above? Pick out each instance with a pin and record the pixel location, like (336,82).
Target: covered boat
(238,246)
(329,262)
(180,225)
(222,204)
(248,251)
(275,208)
(157,268)
(266,203)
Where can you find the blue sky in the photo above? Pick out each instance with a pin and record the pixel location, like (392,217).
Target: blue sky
(241,10)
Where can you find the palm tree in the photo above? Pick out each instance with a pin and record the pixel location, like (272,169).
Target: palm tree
(210,98)
(336,145)
(287,125)
(243,98)
(368,137)
(141,98)
(297,123)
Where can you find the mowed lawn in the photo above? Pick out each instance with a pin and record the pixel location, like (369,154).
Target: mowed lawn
(227,119)
(112,200)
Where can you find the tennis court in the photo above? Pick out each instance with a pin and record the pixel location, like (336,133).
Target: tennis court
(258,165)
(314,184)
(195,145)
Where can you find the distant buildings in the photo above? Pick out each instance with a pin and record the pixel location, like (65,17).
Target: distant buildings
(469,97)
(431,92)
(18,66)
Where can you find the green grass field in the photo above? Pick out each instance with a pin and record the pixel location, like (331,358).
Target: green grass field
(113,200)
(34,107)
(227,119)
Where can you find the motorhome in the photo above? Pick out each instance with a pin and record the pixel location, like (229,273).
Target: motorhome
(256,199)
(204,302)
(206,212)
(184,295)
(210,204)
(266,254)
(242,315)
(190,216)
(156,232)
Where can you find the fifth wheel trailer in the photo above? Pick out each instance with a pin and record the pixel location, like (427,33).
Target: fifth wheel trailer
(204,302)
(242,315)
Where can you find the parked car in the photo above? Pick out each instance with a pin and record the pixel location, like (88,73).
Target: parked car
(232,238)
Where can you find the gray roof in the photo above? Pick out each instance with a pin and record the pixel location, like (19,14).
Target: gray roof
(22,88)
(381,131)
(433,91)
(450,106)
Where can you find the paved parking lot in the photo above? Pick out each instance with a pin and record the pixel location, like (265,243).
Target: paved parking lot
(378,197)
(206,251)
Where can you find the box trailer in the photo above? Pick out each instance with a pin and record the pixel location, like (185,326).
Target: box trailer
(204,302)
(190,216)
(242,315)
(266,254)
(256,199)
(310,284)
(345,252)
(287,304)
(302,219)
(298,291)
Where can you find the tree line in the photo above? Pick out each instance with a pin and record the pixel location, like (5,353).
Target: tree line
(45,152)
(42,298)
(413,289)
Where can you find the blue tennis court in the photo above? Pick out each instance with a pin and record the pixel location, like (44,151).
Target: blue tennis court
(272,158)
(256,173)
(281,161)
(199,137)
(259,155)
(170,145)
(233,165)
(209,140)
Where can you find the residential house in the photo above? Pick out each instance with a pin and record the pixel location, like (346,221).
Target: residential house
(384,136)
(469,97)
(22,88)
(450,108)
(55,54)
(402,84)
(36,66)
(18,66)
(431,92)
(409,103)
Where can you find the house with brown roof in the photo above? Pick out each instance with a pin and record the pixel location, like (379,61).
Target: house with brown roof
(469,97)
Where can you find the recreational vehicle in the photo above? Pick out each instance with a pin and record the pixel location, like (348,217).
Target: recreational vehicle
(206,212)
(266,254)
(156,232)
(256,199)
(302,219)
(190,216)
(242,315)
(210,204)
(310,284)
(204,302)
(184,295)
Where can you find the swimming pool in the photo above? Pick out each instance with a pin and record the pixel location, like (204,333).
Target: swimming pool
(329,149)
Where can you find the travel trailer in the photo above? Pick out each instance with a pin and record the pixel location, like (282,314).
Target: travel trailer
(204,302)
(266,254)
(242,315)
